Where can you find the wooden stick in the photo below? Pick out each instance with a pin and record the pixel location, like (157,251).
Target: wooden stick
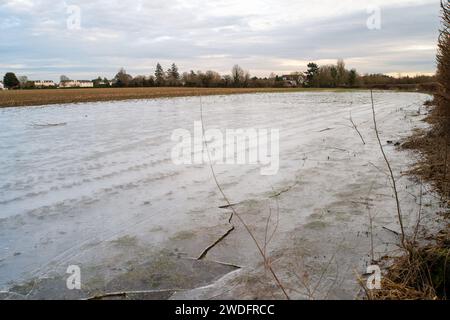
(394,185)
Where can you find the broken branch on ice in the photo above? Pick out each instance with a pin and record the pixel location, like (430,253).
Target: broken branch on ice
(356,128)
(45,125)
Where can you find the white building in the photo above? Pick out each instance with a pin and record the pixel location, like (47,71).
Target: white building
(2,87)
(76,84)
(86,84)
(44,84)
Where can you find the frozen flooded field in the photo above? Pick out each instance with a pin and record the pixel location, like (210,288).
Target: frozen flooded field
(101,191)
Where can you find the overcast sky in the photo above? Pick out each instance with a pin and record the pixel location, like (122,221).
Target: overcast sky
(41,38)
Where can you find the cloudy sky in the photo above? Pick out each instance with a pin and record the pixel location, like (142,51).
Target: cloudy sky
(45,38)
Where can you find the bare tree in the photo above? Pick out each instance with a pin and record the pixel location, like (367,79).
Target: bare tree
(341,73)
(238,75)
(122,79)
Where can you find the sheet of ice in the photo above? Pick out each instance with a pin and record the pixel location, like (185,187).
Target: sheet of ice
(102,191)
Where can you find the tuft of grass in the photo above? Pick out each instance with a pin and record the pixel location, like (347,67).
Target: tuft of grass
(125,241)
(423,274)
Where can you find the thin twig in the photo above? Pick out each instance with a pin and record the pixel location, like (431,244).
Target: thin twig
(390,230)
(215,243)
(416,230)
(372,254)
(324,271)
(277,222)
(247,228)
(356,128)
(126,293)
(394,185)
(378,168)
(267,230)
(362,283)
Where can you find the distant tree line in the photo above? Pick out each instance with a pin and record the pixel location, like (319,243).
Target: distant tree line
(333,76)
(325,76)
(173,78)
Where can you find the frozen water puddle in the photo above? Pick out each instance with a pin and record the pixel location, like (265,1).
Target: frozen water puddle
(102,193)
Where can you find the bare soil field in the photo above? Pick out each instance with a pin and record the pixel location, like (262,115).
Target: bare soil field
(16,98)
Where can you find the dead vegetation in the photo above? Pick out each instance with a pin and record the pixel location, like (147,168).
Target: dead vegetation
(433,164)
(423,271)
(421,274)
(262,249)
(354,126)
(391,174)
(434,144)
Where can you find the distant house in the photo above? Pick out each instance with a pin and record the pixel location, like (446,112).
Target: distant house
(67,84)
(289,81)
(289,77)
(86,84)
(102,83)
(292,80)
(2,87)
(44,83)
(76,84)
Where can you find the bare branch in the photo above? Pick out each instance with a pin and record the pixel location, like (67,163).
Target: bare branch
(394,185)
(356,128)
(247,228)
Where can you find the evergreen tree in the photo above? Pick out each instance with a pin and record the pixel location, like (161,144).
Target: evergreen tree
(334,75)
(159,75)
(10,80)
(352,77)
(313,68)
(174,72)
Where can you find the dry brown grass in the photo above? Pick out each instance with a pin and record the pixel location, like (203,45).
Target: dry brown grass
(15,98)
(423,273)
(434,144)
(433,165)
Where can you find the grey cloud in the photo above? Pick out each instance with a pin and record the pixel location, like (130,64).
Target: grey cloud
(115,33)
